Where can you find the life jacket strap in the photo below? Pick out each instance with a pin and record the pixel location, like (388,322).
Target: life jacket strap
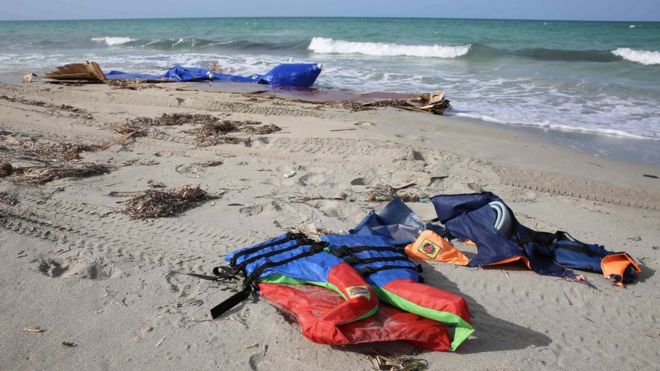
(342,251)
(240,296)
(287,237)
(234,270)
(353,260)
(367,271)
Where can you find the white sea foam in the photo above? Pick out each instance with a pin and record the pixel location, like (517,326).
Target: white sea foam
(553,126)
(640,56)
(112,40)
(322,45)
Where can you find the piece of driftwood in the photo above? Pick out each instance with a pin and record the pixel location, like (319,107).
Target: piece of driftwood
(88,71)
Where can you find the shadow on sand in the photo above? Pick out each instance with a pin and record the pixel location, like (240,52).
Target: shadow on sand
(492,334)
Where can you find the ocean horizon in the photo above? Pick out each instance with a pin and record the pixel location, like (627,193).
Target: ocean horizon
(599,77)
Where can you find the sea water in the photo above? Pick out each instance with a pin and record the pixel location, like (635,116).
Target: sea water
(600,78)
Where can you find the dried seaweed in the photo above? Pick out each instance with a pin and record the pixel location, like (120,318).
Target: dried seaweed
(59,107)
(8,199)
(155,203)
(45,174)
(46,151)
(130,130)
(400,363)
(381,193)
(262,129)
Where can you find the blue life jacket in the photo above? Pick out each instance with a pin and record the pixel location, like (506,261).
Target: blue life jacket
(474,217)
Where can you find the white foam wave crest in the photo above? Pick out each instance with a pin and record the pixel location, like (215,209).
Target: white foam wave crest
(112,40)
(552,126)
(639,56)
(322,45)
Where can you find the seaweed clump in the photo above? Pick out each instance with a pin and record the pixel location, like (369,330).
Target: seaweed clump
(155,203)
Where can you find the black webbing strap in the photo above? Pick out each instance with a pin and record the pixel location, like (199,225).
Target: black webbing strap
(354,260)
(341,251)
(237,298)
(367,271)
(288,237)
(231,272)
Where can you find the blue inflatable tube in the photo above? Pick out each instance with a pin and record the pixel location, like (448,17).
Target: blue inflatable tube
(301,75)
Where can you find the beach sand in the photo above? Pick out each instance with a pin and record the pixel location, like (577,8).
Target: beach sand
(106,290)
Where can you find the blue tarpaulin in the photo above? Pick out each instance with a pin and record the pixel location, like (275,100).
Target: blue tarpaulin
(302,75)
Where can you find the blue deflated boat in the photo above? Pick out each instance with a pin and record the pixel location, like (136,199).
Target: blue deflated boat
(299,75)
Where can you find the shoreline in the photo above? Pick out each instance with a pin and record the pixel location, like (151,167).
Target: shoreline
(634,150)
(76,266)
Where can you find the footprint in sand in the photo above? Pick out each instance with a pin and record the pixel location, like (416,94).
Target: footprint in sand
(55,268)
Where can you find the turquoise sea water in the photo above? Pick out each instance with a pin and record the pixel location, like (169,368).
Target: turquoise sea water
(593,77)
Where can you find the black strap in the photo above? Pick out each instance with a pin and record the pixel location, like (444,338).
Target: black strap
(354,260)
(367,271)
(342,251)
(237,298)
(287,237)
(230,273)
(233,301)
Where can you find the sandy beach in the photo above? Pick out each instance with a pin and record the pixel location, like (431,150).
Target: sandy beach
(84,286)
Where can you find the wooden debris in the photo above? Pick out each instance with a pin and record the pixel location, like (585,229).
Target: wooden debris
(33,328)
(89,71)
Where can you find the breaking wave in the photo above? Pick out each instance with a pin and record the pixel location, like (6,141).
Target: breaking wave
(112,40)
(322,45)
(639,56)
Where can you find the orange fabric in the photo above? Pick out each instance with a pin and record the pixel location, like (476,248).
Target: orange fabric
(431,246)
(617,264)
(512,259)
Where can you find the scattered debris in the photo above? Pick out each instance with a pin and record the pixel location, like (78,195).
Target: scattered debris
(402,363)
(157,204)
(27,77)
(33,328)
(55,107)
(47,151)
(131,84)
(289,174)
(650,176)
(434,102)
(343,129)
(69,344)
(8,199)
(45,174)
(129,130)
(381,193)
(261,130)
(214,133)
(89,71)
